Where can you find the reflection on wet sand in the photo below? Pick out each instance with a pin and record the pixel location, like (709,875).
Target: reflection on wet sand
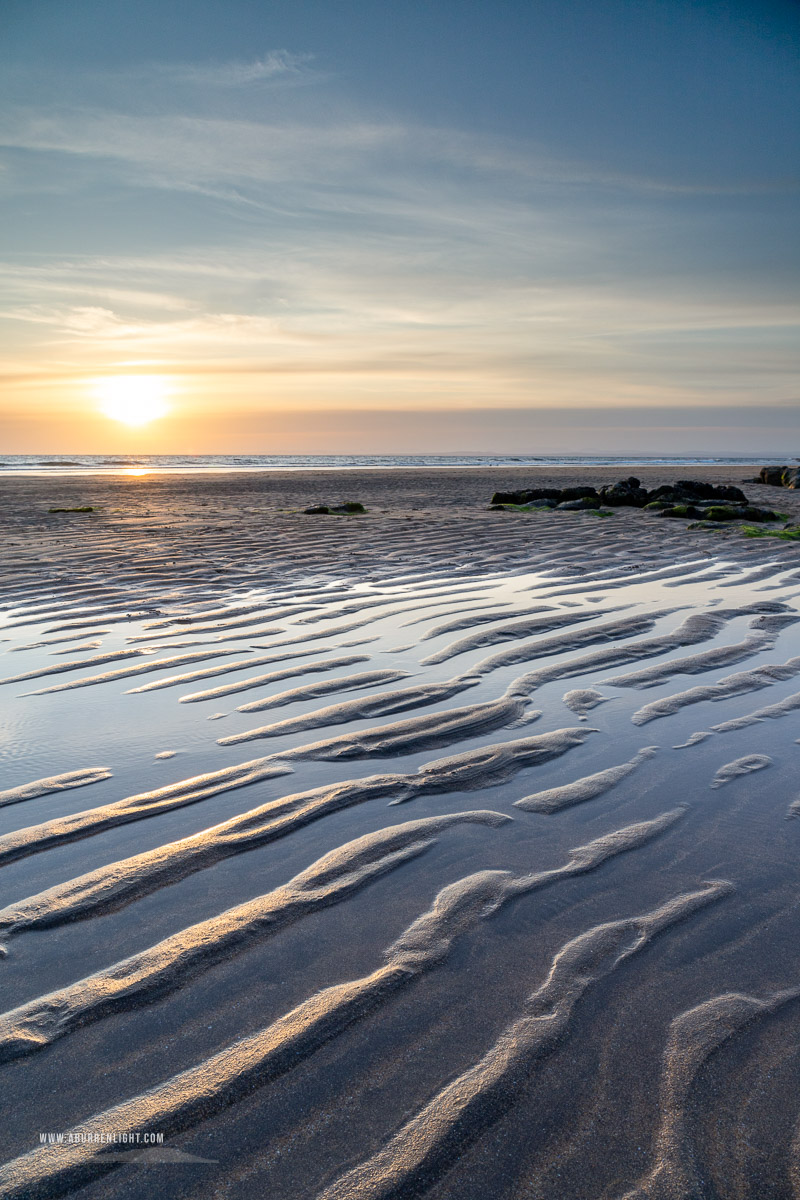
(312,997)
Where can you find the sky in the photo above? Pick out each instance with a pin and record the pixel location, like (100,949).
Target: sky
(293,226)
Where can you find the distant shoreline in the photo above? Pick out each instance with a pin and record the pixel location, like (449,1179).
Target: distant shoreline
(189,499)
(204,464)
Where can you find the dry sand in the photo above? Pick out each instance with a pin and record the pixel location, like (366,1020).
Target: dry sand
(568,970)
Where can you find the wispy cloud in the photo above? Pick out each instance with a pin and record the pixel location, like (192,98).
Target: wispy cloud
(181,150)
(318,241)
(277,66)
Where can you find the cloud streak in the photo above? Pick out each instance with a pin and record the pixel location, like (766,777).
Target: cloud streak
(279,66)
(184,149)
(271,233)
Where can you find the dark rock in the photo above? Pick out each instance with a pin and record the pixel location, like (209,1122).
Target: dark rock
(710,491)
(724,512)
(583,502)
(741,512)
(577,493)
(772,475)
(791,478)
(534,506)
(688,498)
(729,492)
(665,496)
(348,506)
(525,495)
(693,487)
(689,491)
(625,494)
(759,514)
(685,511)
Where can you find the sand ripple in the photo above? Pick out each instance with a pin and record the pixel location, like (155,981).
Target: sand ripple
(346,995)
(228,1075)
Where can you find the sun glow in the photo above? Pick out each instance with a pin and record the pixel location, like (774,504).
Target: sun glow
(133,399)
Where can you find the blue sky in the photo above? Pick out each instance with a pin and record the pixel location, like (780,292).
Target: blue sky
(310,219)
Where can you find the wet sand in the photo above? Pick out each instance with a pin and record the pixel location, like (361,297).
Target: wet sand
(567,968)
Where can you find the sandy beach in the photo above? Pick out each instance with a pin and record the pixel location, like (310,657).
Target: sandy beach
(252,522)
(435,851)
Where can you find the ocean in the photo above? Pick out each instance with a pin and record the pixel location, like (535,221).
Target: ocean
(110,464)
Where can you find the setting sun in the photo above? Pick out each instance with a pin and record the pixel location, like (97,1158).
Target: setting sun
(133,399)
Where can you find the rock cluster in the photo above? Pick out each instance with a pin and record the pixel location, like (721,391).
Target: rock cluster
(788,477)
(575,497)
(349,507)
(687,498)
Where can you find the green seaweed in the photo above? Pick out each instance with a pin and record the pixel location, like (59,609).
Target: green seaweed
(347,509)
(530,508)
(722,512)
(786,535)
(681,510)
(350,506)
(86,508)
(523,508)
